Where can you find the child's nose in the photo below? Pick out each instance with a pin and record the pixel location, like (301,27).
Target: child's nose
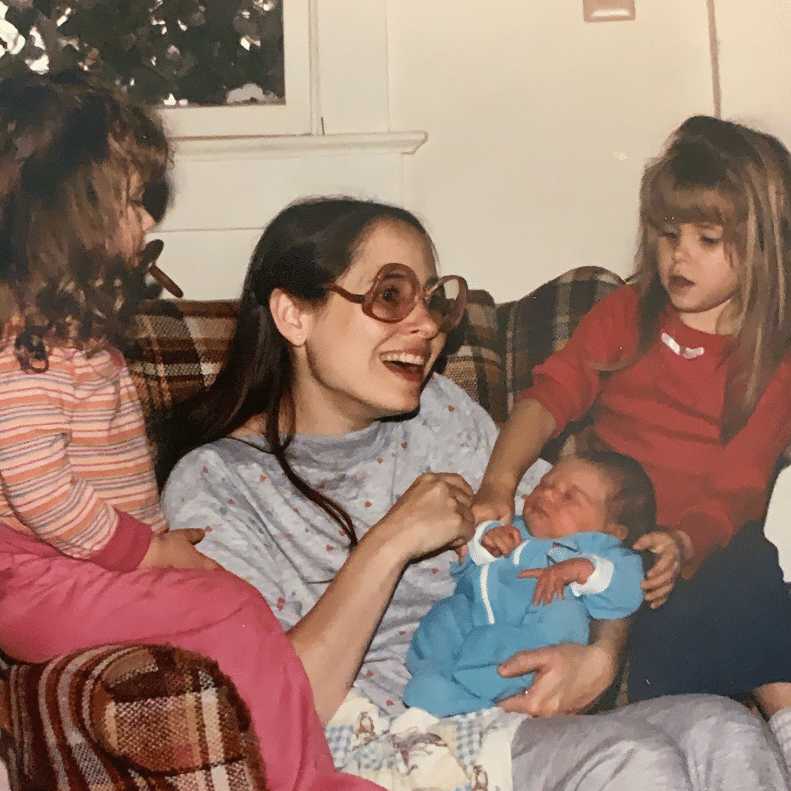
(681,246)
(147,221)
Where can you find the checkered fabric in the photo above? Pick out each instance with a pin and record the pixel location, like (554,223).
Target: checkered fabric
(473,358)
(160,718)
(127,717)
(177,348)
(535,326)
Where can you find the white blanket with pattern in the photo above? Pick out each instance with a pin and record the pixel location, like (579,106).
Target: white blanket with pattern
(416,751)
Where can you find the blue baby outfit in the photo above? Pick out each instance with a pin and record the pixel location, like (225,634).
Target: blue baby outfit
(460,642)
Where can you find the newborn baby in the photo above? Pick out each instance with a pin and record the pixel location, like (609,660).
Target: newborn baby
(535,583)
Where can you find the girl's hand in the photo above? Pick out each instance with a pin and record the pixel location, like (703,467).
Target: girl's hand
(431,515)
(176,550)
(672,549)
(551,581)
(493,501)
(501,540)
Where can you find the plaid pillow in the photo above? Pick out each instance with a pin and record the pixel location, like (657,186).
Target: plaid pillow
(472,356)
(128,717)
(177,348)
(539,324)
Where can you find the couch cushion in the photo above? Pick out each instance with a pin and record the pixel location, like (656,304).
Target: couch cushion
(540,323)
(473,357)
(177,348)
(129,717)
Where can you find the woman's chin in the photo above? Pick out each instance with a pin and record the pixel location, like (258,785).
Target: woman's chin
(396,407)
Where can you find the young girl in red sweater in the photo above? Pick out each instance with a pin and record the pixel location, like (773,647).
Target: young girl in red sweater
(688,370)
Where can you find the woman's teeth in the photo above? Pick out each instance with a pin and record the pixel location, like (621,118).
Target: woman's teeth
(403,358)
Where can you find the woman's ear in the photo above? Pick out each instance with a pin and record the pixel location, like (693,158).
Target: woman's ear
(292,319)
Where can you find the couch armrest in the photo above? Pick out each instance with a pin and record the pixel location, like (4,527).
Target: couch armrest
(107,717)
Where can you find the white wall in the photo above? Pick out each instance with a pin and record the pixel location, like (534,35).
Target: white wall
(755,64)
(539,125)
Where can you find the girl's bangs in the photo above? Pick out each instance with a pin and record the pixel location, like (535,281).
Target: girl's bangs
(669,200)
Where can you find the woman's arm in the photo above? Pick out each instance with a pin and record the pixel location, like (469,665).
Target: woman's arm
(332,638)
(569,678)
(206,490)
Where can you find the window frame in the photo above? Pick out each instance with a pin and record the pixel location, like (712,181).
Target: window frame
(294,117)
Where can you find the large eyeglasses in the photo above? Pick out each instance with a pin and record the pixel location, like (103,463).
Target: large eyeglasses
(396,290)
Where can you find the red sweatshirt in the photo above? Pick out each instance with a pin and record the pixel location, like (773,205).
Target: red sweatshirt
(665,411)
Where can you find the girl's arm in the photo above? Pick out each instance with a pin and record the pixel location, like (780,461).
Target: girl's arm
(61,508)
(564,388)
(520,441)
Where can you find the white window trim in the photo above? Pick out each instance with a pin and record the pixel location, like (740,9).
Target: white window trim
(293,129)
(263,147)
(292,118)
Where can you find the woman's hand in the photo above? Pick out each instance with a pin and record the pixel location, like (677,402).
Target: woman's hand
(493,501)
(551,581)
(672,549)
(432,514)
(176,550)
(569,678)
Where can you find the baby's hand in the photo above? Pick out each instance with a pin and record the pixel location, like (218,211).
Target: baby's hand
(551,581)
(175,550)
(672,548)
(501,540)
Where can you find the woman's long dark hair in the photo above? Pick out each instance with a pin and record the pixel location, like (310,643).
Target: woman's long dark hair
(304,249)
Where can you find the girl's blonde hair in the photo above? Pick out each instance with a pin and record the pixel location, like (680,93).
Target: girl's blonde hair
(718,172)
(70,152)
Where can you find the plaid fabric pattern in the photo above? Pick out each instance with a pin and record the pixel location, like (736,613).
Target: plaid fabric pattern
(128,717)
(473,358)
(535,326)
(177,349)
(157,718)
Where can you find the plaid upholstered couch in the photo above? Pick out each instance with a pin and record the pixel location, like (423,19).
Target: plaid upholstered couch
(133,717)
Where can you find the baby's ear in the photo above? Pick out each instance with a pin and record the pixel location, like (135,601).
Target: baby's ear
(621,532)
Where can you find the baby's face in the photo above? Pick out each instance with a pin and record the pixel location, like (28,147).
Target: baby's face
(571,498)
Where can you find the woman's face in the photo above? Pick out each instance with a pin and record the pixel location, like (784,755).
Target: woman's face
(354,369)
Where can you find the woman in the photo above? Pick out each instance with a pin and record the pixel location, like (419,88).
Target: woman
(337,471)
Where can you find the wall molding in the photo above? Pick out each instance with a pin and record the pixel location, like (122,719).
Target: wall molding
(285,146)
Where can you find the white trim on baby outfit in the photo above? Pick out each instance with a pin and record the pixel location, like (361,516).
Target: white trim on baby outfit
(599,580)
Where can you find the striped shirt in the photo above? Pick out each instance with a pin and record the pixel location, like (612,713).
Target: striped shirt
(75,465)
